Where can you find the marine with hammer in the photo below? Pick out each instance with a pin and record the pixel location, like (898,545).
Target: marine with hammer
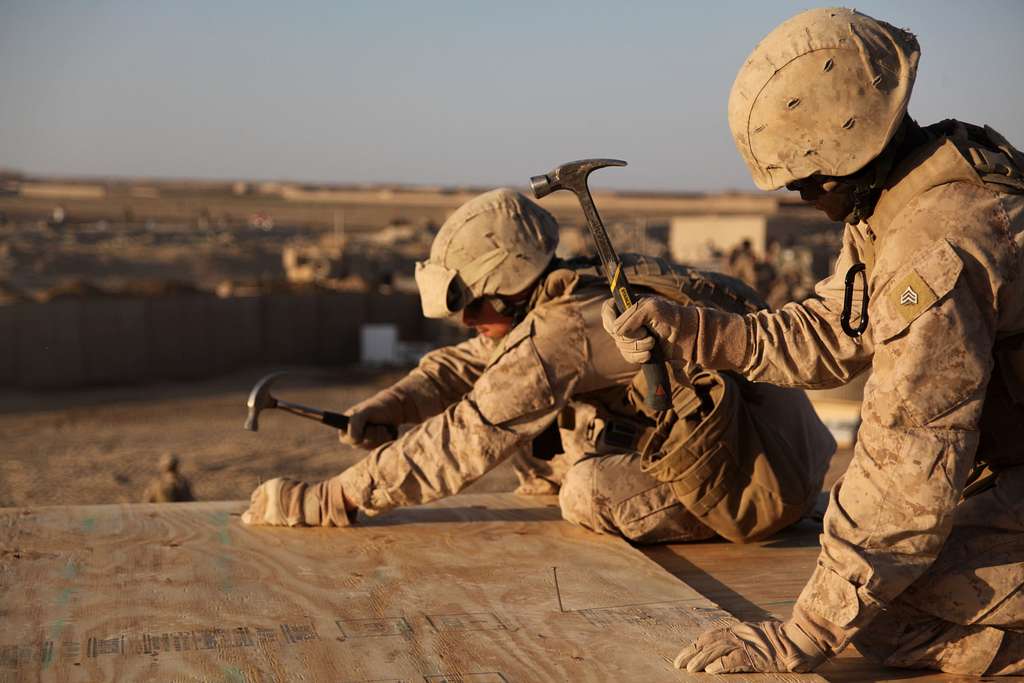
(922,555)
(542,384)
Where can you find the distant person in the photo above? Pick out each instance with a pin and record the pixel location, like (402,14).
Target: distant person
(170,486)
(742,263)
(542,385)
(922,559)
(58,216)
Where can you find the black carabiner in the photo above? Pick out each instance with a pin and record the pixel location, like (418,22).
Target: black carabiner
(844,319)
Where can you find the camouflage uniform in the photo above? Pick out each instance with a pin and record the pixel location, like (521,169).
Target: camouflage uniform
(918,568)
(912,572)
(477,403)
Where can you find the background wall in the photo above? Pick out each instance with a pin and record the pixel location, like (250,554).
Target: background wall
(80,342)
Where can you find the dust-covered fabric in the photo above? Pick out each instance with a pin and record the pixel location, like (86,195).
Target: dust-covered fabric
(749,463)
(944,279)
(612,494)
(442,377)
(768,647)
(287,502)
(526,382)
(800,345)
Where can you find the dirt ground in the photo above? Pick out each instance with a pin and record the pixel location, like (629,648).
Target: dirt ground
(102,445)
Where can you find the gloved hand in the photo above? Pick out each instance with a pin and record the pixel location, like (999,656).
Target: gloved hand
(655,315)
(287,502)
(369,420)
(767,647)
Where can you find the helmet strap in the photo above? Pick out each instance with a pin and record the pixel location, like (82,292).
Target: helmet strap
(869,182)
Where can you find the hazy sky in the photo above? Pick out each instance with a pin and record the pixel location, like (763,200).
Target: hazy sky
(472,93)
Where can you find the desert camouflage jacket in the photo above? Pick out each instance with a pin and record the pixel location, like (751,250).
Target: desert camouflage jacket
(943,251)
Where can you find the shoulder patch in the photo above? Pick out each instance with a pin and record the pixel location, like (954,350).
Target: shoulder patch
(911,296)
(926,277)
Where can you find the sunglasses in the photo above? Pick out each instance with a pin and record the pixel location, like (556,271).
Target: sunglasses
(815,184)
(500,306)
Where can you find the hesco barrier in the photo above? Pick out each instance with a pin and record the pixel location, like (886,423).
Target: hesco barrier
(79,342)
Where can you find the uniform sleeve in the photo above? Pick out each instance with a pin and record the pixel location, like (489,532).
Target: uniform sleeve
(442,377)
(800,345)
(890,514)
(515,397)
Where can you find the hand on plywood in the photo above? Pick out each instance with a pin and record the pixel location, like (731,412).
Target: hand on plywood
(287,502)
(372,422)
(766,647)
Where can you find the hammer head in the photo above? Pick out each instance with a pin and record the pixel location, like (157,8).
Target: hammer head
(570,176)
(260,398)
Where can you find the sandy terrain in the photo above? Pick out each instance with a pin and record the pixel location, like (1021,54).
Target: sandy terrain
(101,445)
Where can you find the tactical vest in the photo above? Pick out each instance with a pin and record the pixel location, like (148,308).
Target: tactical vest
(621,431)
(998,163)
(676,282)
(684,285)
(745,458)
(999,166)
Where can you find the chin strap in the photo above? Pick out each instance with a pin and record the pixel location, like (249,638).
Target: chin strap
(868,183)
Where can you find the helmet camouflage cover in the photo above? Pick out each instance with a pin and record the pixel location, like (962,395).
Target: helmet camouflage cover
(494,244)
(823,93)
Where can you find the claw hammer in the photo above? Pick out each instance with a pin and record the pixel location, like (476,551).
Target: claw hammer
(573,177)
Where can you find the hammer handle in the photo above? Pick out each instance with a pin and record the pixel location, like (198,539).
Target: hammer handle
(336,420)
(659,393)
(340,421)
(573,177)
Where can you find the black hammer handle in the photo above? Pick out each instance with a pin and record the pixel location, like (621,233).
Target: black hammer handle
(340,421)
(659,395)
(336,420)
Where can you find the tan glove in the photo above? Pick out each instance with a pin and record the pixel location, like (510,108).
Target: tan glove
(371,422)
(632,330)
(767,647)
(287,502)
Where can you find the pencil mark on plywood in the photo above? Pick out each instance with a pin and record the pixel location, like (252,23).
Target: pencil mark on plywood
(373,628)
(485,677)
(298,633)
(468,621)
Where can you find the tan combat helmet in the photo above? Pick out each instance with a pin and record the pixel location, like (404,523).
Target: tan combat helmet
(822,93)
(494,244)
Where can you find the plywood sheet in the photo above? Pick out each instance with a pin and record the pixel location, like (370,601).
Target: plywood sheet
(476,589)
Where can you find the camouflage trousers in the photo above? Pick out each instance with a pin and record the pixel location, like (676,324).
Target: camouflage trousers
(611,494)
(965,615)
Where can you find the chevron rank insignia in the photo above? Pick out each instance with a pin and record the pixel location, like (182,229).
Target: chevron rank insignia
(910,297)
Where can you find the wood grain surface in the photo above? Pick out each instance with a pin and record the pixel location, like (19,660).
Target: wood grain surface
(477,589)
